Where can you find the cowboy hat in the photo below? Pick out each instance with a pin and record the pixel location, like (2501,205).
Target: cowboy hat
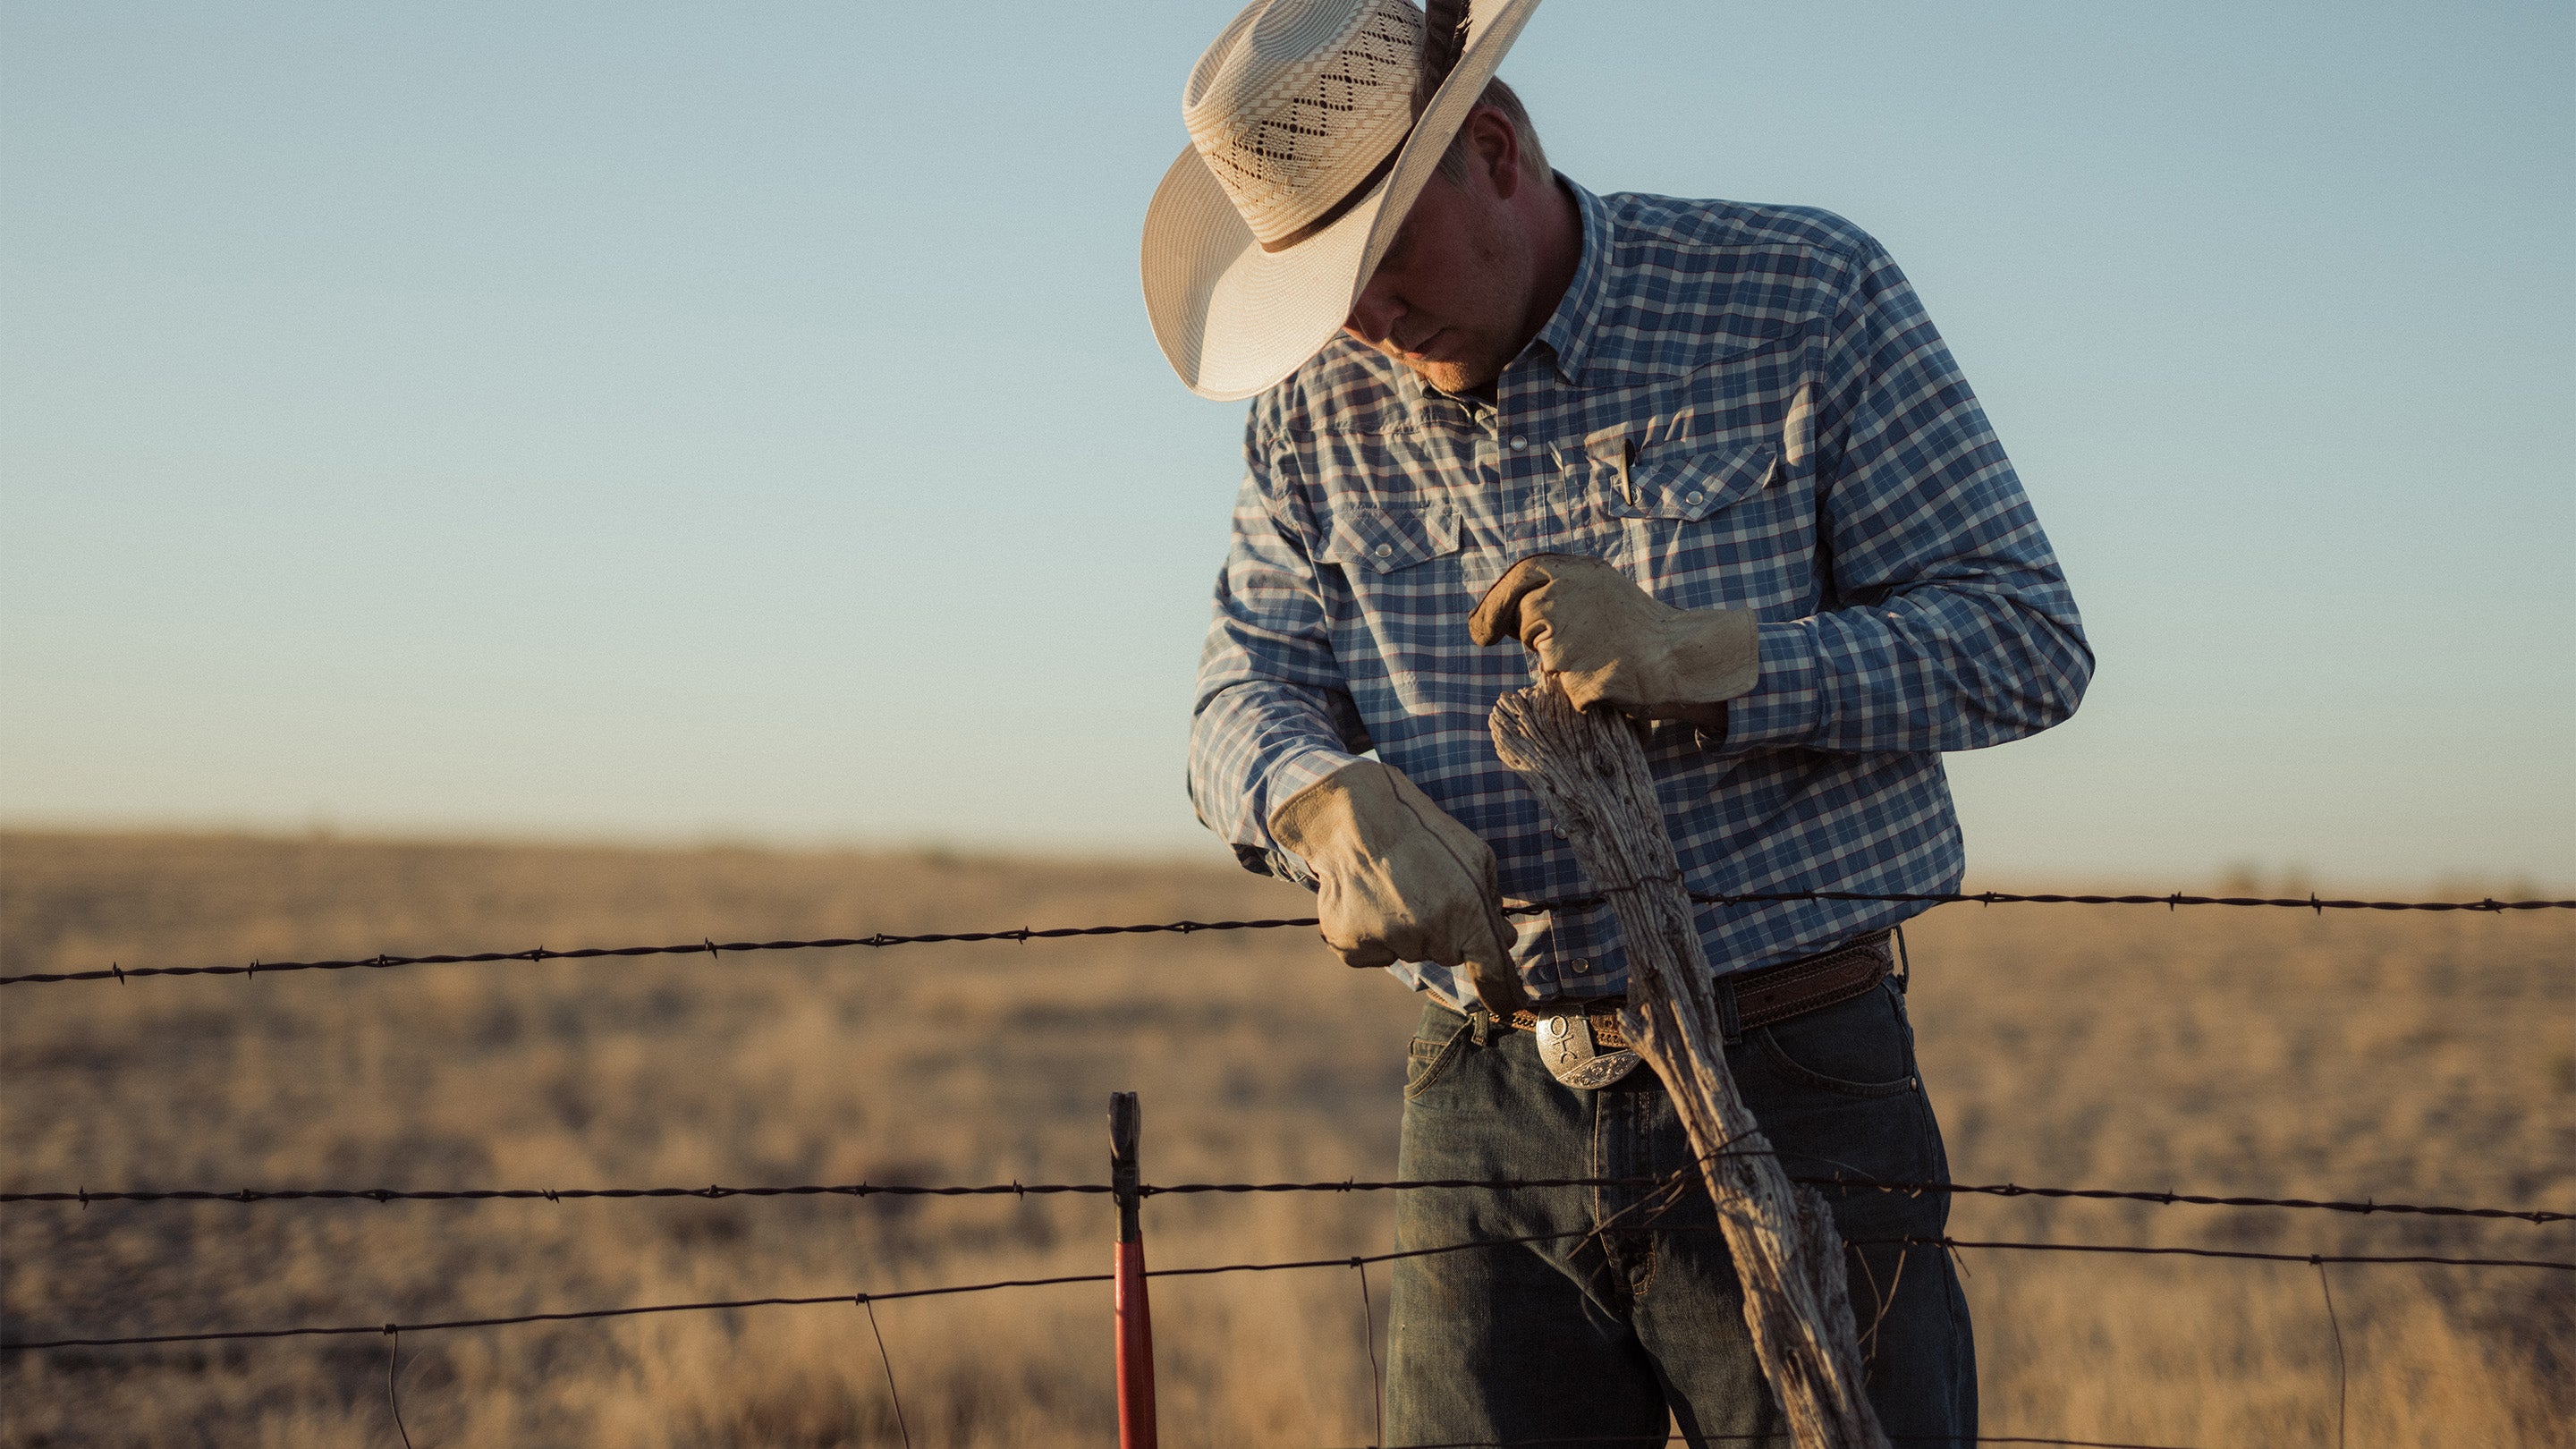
(1307,150)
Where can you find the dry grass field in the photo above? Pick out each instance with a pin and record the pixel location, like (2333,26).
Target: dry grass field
(2422,1058)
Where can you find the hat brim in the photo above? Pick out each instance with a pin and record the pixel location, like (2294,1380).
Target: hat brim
(1231,318)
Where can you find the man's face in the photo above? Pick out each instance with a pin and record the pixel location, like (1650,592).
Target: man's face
(1452,298)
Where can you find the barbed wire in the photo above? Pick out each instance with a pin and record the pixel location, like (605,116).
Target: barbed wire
(774,1302)
(1346,1261)
(2164,1198)
(2244,1254)
(2161,1198)
(1775,1437)
(568,1194)
(712,948)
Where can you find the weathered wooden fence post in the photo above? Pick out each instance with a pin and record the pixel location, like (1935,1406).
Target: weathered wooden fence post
(1591,772)
(1135,1316)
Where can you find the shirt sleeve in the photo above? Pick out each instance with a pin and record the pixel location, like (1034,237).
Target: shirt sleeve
(1273,715)
(1947,622)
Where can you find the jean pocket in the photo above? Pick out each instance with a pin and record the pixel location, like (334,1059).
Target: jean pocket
(1427,1062)
(1859,1048)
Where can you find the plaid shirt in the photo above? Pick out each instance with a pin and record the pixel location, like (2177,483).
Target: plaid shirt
(1739,407)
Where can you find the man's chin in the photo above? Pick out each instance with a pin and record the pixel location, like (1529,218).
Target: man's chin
(1453,377)
(1448,374)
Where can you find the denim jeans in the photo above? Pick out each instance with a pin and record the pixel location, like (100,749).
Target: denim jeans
(1637,1332)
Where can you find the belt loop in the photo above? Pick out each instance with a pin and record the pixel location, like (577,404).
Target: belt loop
(1904,966)
(1730,1026)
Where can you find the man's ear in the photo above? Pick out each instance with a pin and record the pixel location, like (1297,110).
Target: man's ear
(1498,149)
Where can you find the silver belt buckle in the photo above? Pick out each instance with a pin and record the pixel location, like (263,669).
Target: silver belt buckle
(1565,1043)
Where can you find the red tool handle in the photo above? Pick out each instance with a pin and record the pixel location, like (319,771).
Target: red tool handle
(1135,1319)
(1135,1351)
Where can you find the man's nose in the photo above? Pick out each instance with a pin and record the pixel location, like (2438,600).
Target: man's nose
(1374,315)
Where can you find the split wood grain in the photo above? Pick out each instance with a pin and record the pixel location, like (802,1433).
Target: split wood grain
(1590,771)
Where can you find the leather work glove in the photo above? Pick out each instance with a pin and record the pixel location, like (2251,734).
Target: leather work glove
(1399,880)
(1607,641)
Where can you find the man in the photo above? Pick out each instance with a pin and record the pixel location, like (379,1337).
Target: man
(1710,466)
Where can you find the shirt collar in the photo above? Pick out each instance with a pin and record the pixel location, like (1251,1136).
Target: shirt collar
(1569,331)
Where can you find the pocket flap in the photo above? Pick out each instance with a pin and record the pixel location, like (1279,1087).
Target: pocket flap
(1387,539)
(1676,482)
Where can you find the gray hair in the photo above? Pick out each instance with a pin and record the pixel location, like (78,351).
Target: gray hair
(1455,161)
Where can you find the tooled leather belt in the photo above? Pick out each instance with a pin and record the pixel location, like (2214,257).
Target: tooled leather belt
(1763,997)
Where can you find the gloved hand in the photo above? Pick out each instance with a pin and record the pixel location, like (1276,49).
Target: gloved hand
(1400,880)
(1608,641)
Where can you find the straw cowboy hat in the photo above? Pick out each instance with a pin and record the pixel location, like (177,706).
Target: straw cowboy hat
(1309,139)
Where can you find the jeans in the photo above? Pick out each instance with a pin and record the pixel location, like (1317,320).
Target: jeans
(1637,1332)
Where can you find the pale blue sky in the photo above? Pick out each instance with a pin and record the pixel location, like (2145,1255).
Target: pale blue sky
(667,421)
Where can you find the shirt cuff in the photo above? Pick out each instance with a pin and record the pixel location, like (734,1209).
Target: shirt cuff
(1787,705)
(1293,773)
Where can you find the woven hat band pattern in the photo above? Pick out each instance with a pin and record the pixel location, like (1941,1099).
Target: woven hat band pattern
(1299,101)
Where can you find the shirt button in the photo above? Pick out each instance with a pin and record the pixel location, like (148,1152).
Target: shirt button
(1694,499)
(1385,550)
(1519,442)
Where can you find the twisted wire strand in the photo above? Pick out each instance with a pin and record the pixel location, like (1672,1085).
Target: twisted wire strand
(1778,1437)
(2249,1255)
(1345,1261)
(712,948)
(2165,1198)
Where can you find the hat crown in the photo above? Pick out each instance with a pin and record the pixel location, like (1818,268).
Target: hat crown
(1298,101)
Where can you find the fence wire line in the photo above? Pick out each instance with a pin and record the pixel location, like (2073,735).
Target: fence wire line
(887,1359)
(2343,1376)
(1778,1437)
(712,948)
(393,1390)
(1368,1339)
(1910,1240)
(2242,1254)
(1047,1189)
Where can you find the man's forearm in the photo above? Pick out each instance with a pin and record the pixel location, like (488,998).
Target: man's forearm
(1254,744)
(1937,667)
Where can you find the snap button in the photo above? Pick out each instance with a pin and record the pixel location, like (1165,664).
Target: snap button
(1582,968)
(1386,550)
(1693,499)
(1519,442)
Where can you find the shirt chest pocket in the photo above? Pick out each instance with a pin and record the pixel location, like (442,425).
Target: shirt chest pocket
(1678,481)
(1368,539)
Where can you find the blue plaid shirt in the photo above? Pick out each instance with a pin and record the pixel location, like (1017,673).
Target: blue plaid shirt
(1738,406)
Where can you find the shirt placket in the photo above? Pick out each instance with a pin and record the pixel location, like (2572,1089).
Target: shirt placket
(1517,430)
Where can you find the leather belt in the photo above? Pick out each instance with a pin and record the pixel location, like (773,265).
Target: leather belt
(1582,1043)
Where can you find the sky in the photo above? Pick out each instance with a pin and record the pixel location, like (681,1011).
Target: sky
(679,422)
